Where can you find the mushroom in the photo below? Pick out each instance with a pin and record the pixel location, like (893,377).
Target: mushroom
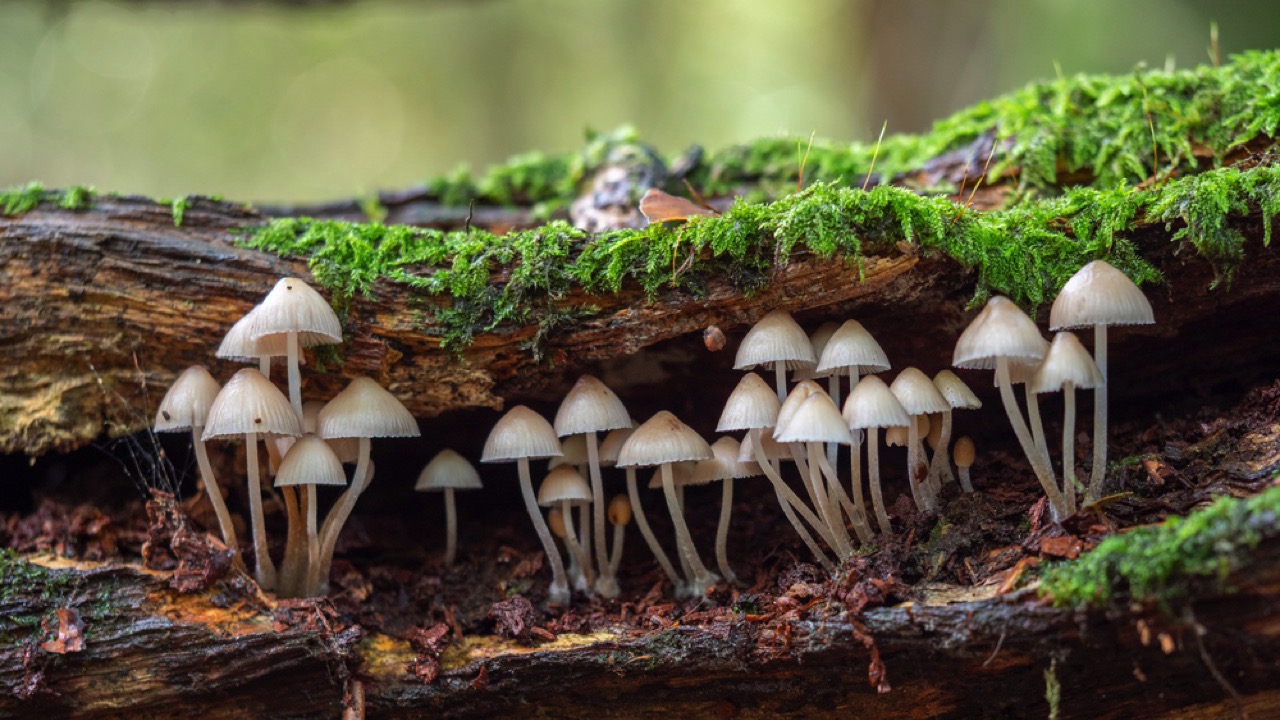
(574,448)
(680,474)
(555,521)
(816,421)
(520,435)
(778,341)
(609,449)
(723,466)
(249,405)
(663,440)
(1099,295)
(564,488)
(303,316)
(959,397)
(589,408)
(186,407)
(869,407)
(963,454)
(309,462)
(238,346)
(448,471)
(752,406)
(363,410)
(1067,367)
(919,397)
(1000,335)
(800,456)
(619,517)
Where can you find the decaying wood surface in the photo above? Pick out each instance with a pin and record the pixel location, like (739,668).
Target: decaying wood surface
(147,652)
(96,304)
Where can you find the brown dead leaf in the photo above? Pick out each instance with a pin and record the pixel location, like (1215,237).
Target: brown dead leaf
(1064,546)
(658,207)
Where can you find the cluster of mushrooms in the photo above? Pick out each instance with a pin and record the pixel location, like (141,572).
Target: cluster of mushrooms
(805,426)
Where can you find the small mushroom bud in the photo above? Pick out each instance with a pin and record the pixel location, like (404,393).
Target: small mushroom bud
(619,517)
(963,454)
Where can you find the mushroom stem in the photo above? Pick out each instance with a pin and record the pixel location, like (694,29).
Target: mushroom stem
(789,500)
(833,389)
(615,555)
(584,522)
(834,519)
(295,376)
(338,516)
(965,483)
(450,527)
(780,378)
(701,579)
(722,532)
(1068,443)
(295,544)
(818,494)
(207,477)
(606,584)
(802,465)
(873,472)
(857,515)
(571,535)
(313,537)
(264,570)
(940,466)
(264,366)
(1037,427)
(855,482)
(1057,504)
(915,477)
(1098,472)
(559,590)
(647,532)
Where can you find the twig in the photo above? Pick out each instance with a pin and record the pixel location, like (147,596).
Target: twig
(803,161)
(986,164)
(875,152)
(1199,631)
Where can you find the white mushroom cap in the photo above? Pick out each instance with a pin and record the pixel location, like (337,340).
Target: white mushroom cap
(590,406)
(239,346)
(249,403)
(1099,294)
(775,338)
(574,452)
(681,474)
(852,346)
(187,403)
(521,433)
(798,395)
(449,470)
(364,409)
(564,484)
(611,444)
(752,404)
(1000,330)
(310,462)
(873,404)
(724,464)
(816,420)
(958,395)
(917,393)
(1067,361)
(347,449)
(818,340)
(663,439)
(293,306)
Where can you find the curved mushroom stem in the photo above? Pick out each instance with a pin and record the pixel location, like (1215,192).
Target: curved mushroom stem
(615,554)
(857,515)
(210,482)
(295,376)
(965,483)
(313,537)
(1037,427)
(833,390)
(873,472)
(1068,443)
(559,590)
(587,571)
(1044,473)
(606,584)
(338,517)
(940,466)
(700,577)
(450,527)
(802,465)
(571,535)
(264,570)
(830,513)
(1098,472)
(788,500)
(915,477)
(722,532)
(294,547)
(637,510)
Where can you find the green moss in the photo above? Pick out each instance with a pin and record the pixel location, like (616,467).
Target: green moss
(1163,562)
(76,197)
(178,208)
(25,198)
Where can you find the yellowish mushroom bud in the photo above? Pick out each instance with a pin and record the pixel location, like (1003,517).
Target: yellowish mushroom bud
(619,510)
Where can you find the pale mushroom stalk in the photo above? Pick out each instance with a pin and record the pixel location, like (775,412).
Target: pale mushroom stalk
(873,472)
(215,496)
(265,570)
(830,512)
(833,390)
(966,483)
(451,527)
(1037,426)
(338,515)
(722,532)
(295,375)
(1098,473)
(700,578)
(780,378)
(798,457)
(313,536)
(584,522)
(295,544)
(647,532)
(571,538)
(559,590)
(915,478)
(788,499)
(1057,503)
(608,585)
(615,553)
(1068,443)
(857,515)
(837,536)
(940,466)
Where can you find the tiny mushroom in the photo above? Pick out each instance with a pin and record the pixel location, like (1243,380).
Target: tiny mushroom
(619,518)
(447,472)
(778,341)
(919,397)
(309,462)
(564,488)
(963,454)
(869,407)
(1099,295)
(299,313)
(723,466)
(959,397)
(1067,367)
(817,421)
(609,449)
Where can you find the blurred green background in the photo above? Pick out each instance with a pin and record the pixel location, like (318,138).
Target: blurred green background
(279,102)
